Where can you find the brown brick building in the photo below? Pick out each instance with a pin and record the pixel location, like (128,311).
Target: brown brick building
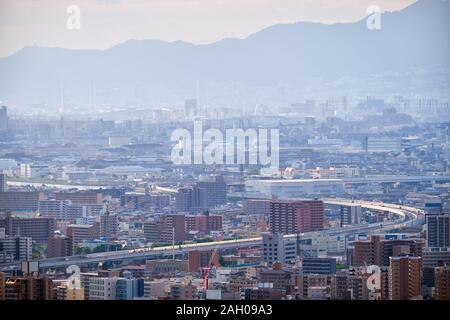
(290,217)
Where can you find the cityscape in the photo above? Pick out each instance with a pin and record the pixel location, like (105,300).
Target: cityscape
(236,186)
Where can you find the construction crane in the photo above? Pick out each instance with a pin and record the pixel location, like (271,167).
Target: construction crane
(207,270)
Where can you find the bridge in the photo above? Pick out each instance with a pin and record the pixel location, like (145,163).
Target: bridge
(404,216)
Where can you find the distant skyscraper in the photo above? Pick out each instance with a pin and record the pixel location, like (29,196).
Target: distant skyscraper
(405,277)
(3,119)
(438,230)
(2,182)
(190,107)
(290,217)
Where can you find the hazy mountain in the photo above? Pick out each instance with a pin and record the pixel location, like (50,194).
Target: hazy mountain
(410,54)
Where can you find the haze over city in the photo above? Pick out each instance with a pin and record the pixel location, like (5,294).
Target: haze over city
(232,151)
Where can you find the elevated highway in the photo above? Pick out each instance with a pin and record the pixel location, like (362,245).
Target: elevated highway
(404,216)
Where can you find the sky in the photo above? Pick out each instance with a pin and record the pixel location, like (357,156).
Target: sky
(105,23)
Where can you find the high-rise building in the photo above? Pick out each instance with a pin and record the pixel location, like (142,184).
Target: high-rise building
(442,283)
(289,217)
(14,248)
(376,251)
(59,246)
(202,259)
(108,225)
(3,186)
(167,229)
(438,230)
(350,214)
(80,232)
(39,229)
(214,190)
(278,249)
(405,277)
(204,223)
(3,119)
(189,199)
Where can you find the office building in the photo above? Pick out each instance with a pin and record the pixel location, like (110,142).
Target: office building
(20,201)
(350,214)
(80,197)
(318,265)
(39,229)
(80,232)
(289,217)
(168,229)
(204,222)
(108,225)
(405,277)
(189,199)
(159,200)
(61,210)
(102,288)
(438,230)
(128,289)
(59,246)
(277,249)
(14,248)
(376,251)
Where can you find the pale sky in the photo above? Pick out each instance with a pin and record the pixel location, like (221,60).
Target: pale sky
(105,23)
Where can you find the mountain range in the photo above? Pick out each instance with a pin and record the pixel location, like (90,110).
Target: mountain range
(283,63)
